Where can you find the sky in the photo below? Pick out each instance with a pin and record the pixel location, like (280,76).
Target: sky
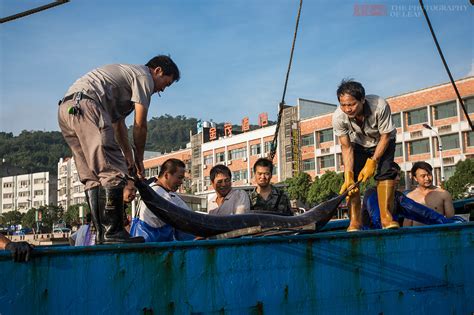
(233,54)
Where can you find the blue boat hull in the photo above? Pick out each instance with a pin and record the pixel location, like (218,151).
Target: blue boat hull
(422,270)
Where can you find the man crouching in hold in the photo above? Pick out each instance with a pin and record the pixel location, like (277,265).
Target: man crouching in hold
(92,120)
(367,137)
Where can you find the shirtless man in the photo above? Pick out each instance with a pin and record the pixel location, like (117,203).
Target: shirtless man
(426,193)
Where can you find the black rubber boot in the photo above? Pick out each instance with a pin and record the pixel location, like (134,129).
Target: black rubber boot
(111,218)
(96,200)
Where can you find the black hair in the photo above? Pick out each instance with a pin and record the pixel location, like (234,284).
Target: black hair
(263,162)
(220,169)
(351,87)
(171,166)
(421,165)
(166,64)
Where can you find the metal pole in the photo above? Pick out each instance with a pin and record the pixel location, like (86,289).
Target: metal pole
(440,150)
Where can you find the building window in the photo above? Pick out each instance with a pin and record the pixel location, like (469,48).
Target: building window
(307,139)
(7,185)
(7,196)
(154,171)
(470,138)
(397,120)
(7,206)
(39,193)
(237,153)
(445,110)
(308,165)
(450,141)
(419,146)
(469,103)
(24,183)
(239,175)
(399,150)
(208,159)
(255,149)
(220,157)
(418,116)
(39,180)
(326,161)
(207,180)
(24,194)
(325,135)
(449,171)
(267,146)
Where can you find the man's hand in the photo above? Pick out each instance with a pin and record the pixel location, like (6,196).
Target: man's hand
(368,171)
(348,182)
(20,251)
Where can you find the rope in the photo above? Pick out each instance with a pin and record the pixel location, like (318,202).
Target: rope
(282,103)
(446,65)
(35,10)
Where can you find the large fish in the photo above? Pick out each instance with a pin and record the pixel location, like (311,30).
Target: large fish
(209,225)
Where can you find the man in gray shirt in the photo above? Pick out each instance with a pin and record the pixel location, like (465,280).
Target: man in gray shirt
(367,137)
(92,120)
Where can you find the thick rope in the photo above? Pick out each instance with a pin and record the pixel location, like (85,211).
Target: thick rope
(446,66)
(35,10)
(282,103)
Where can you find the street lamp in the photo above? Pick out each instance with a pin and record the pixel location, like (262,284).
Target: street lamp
(440,150)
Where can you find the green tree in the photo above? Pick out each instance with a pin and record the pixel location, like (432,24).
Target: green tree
(29,219)
(11,217)
(50,215)
(297,187)
(71,215)
(325,187)
(463,177)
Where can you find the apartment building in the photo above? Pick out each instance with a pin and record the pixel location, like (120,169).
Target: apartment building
(70,189)
(23,192)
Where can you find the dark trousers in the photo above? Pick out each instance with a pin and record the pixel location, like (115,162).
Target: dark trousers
(385,169)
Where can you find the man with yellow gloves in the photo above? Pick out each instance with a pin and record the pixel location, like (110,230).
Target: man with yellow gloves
(367,134)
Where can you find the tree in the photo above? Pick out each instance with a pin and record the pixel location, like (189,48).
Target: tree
(71,216)
(298,186)
(325,187)
(29,219)
(50,215)
(463,177)
(11,217)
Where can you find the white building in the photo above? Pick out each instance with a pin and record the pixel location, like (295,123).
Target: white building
(23,192)
(70,189)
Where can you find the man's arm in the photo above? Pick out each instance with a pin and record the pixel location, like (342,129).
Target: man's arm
(139,137)
(347,153)
(448,205)
(243,203)
(121,136)
(381,146)
(3,241)
(20,250)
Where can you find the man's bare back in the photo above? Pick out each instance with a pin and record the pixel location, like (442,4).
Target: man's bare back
(433,197)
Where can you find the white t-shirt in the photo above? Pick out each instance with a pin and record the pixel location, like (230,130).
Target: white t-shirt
(236,202)
(148,217)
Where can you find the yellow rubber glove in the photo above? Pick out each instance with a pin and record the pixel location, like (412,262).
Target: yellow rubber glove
(368,171)
(348,182)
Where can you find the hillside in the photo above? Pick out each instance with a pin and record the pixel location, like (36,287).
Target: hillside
(39,151)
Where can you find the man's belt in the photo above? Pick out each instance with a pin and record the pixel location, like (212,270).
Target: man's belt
(73,96)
